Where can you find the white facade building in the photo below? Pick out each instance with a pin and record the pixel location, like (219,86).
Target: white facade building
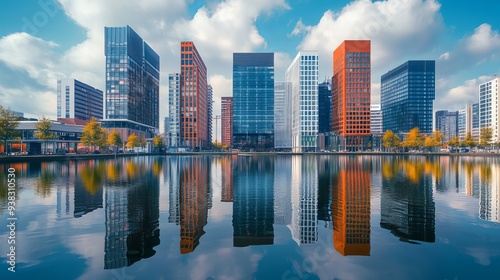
(302,74)
(375,119)
(173,131)
(489,107)
(282,116)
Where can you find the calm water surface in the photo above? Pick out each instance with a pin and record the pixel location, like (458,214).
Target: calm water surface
(246,217)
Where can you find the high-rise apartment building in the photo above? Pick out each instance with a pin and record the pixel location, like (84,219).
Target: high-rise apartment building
(132,83)
(489,107)
(351,94)
(376,119)
(227,121)
(282,116)
(253,101)
(302,74)
(78,101)
(407,95)
(324,107)
(447,123)
(173,129)
(194,107)
(210,104)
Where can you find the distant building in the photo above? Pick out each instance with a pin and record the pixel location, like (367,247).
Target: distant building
(173,129)
(253,101)
(351,94)
(324,107)
(227,121)
(376,119)
(302,74)
(132,84)
(76,100)
(407,95)
(447,123)
(210,104)
(282,116)
(194,107)
(468,121)
(489,107)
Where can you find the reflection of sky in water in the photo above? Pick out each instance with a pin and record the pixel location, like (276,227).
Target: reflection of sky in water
(416,218)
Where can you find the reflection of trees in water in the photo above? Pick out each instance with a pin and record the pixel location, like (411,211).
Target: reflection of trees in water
(44,184)
(485,172)
(411,169)
(92,176)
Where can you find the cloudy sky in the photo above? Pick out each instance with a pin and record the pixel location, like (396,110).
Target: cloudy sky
(43,40)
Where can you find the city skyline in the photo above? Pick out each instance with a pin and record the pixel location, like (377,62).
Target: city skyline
(61,41)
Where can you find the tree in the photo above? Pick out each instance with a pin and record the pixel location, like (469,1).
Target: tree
(158,142)
(454,142)
(437,136)
(390,140)
(414,139)
(469,140)
(142,142)
(8,125)
(429,142)
(132,141)
(115,139)
(93,134)
(43,130)
(485,136)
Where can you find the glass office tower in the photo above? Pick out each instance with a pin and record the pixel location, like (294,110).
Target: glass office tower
(253,101)
(132,83)
(77,100)
(407,94)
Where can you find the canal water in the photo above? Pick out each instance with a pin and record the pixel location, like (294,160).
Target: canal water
(253,217)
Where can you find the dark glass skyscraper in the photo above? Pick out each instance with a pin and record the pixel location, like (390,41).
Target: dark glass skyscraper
(447,123)
(132,83)
(407,94)
(324,107)
(253,101)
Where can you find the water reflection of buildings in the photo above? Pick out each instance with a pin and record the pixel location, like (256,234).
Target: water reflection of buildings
(193,201)
(132,213)
(173,190)
(351,208)
(227,179)
(253,201)
(283,190)
(324,188)
(407,205)
(489,193)
(304,224)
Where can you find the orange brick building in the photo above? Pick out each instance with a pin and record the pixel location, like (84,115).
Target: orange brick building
(227,120)
(351,94)
(194,122)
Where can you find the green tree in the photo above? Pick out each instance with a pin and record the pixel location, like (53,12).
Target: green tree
(485,136)
(132,141)
(94,135)
(43,130)
(158,142)
(8,125)
(115,139)
(414,139)
(454,142)
(390,140)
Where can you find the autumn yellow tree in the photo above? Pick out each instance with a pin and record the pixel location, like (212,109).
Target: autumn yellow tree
(115,139)
(414,139)
(485,137)
(429,142)
(158,143)
(453,142)
(469,141)
(93,134)
(390,140)
(132,141)
(437,137)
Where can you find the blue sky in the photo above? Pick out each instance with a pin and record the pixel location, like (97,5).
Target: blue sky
(43,40)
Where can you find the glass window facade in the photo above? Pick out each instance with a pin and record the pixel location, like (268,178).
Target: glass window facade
(324,107)
(132,77)
(489,107)
(447,123)
(173,130)
(407,96)
(78,100)
(282,116)
(253,101)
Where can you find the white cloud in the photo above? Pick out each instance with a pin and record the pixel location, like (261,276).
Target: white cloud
(397,29)
(480,47)
(457,97)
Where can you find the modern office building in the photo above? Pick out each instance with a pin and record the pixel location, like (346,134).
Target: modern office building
(253,101)
(475,121)
(447,123)
(302,74)
(78,101)
(210,103)
(132,84)
(227,121)
(489,107)
(376,119)
(324,107)
(173,132)
(282,116)
(462,125)
(351,94)
(407,95)
(226,179)
(194,107)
